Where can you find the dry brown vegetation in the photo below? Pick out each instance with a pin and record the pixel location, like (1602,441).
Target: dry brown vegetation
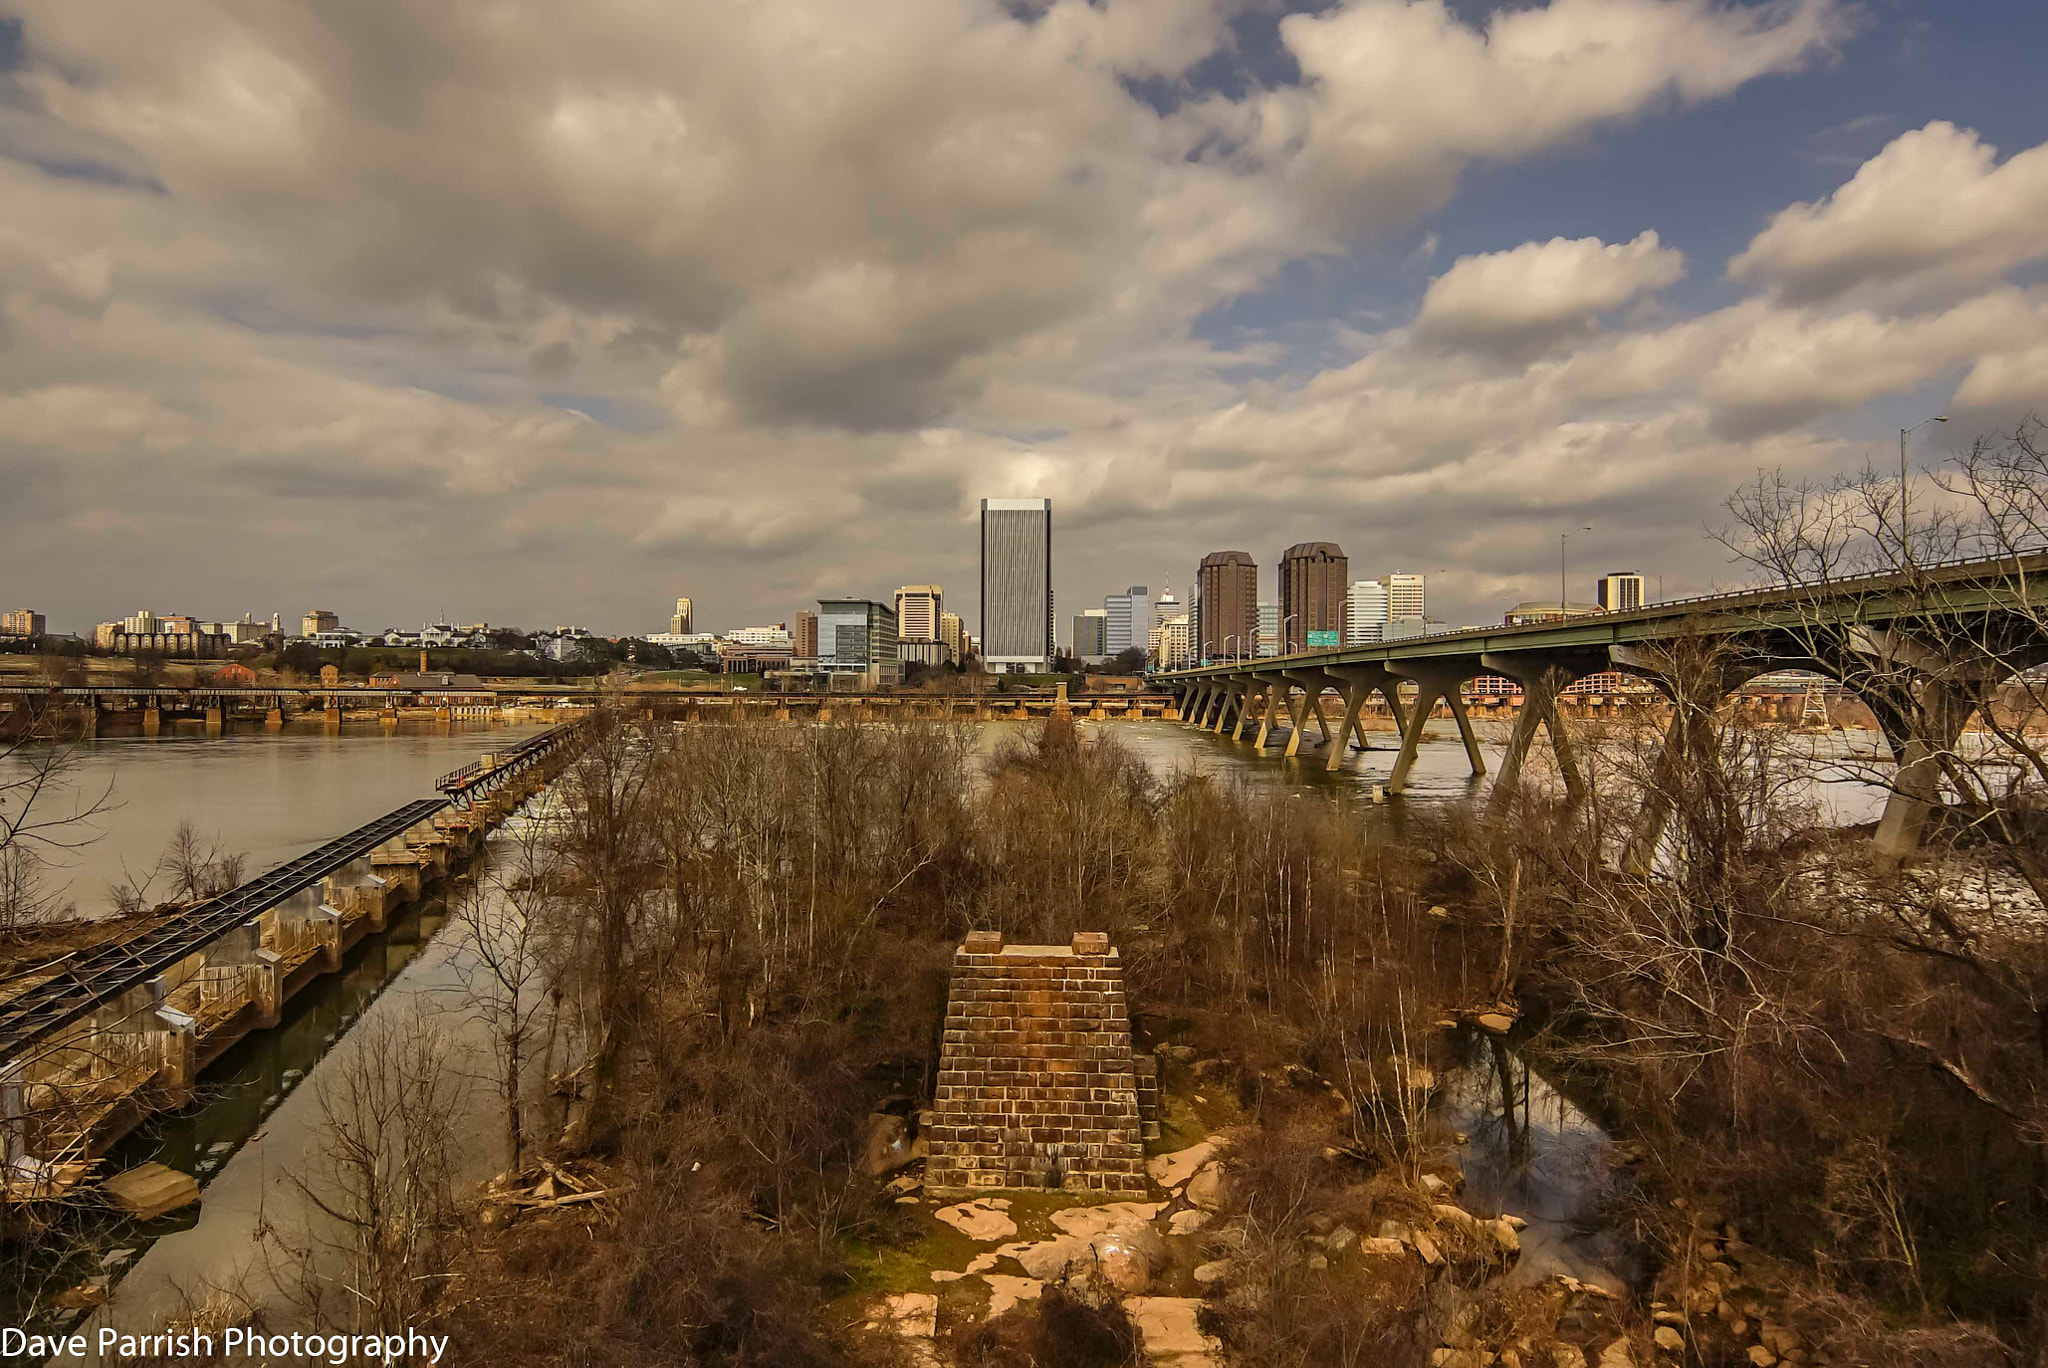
(748,926)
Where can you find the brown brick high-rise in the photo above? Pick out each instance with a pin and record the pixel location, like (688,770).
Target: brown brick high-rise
(1037,1088)
(1227,606)
(1315,593)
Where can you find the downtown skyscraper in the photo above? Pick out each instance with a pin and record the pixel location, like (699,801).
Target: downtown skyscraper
(1016,585)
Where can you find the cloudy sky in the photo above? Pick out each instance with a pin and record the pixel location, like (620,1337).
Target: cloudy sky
(536,313)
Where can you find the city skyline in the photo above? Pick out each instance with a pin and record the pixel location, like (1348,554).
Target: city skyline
(386,341)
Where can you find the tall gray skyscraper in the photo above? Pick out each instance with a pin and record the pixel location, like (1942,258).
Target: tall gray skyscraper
(1130,618)
(1016,584)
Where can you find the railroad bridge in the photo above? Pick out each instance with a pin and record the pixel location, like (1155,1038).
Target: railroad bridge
(147,709)
(1924,648)
(91,1043)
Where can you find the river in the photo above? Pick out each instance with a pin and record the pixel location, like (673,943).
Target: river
(273,795)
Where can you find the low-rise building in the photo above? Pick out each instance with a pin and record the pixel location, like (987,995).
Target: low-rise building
(23,622)
(1548,610)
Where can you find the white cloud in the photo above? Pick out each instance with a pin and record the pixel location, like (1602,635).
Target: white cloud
(351,265)
(1934,207)
(1541,291)
(1402,95)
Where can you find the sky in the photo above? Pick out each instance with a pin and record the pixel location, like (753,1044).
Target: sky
(530,314)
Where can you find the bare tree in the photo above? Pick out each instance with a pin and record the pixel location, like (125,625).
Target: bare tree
(381,1187)
(43,813)
(504,964)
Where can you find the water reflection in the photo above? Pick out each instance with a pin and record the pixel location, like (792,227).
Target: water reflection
(1530,1152)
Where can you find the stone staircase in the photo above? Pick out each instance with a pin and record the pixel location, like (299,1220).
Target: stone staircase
(1037,1087)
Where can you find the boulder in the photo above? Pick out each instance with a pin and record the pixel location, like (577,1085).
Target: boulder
(1213,1272)
(913,1315)
(1761,1357)
(1383,1248)
(1494,1023)
(1188,1222)
(1205,1189)
(1779,1339)
(1171,1170)
(1667,1337)
(1090,1221)
(1005,1292)
(887,1147)
(1046,1259)
(1426,1247)
(1130,1257)
(1167,1326)
(1617,1355)
(982,1219)
(1340,1239)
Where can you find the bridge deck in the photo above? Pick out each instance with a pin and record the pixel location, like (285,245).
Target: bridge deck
(1962,586)
(458,783)
(107,972)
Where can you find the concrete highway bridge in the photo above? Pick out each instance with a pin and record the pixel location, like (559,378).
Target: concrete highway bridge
(92,1042)
(1925,649)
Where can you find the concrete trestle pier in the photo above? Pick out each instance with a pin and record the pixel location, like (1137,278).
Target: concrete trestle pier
(91,1045)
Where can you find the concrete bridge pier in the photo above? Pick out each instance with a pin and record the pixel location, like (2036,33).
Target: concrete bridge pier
(152,719)
(1357,683)
(357,893)
(1253,700)
(262,975)
(1216,708)
(1542,681)
(1312,682)
(398,868)
(274,719)
(1269,711)
(14,1114)
(216,720)
(1433,686)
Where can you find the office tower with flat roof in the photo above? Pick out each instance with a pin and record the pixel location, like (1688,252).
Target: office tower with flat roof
(951,633)
(804,640)
(917,612)
(857,637)
(23,622)
(1091,635)
(1130,618)
(1315,579)
(1369,616)
(679,621)
(1227,606)
(1405,595)
(1016,584)
(1620,590)
(319,620)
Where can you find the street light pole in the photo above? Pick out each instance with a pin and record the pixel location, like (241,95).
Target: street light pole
(1905,539)
(1287,634)
(1562,599)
